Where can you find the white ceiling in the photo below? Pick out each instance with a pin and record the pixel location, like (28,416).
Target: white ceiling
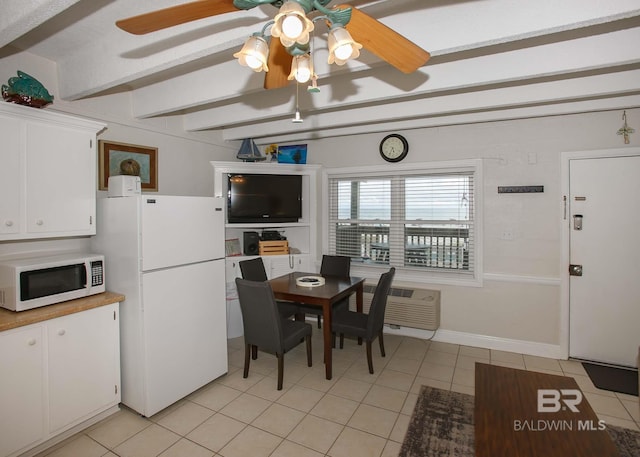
(491,59)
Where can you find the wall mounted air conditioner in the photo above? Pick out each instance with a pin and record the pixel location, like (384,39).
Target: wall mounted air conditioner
(406,307)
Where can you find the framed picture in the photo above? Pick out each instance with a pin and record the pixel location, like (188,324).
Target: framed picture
(296,153)
(128,159)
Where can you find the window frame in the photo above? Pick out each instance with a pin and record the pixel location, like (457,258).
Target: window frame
(473,278)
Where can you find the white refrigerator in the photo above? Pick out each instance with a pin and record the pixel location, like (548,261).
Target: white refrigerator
(166,255)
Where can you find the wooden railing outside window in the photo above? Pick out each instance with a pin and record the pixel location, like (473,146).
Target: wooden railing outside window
(424,247)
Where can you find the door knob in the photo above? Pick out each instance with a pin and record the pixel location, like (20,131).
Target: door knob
(575,270)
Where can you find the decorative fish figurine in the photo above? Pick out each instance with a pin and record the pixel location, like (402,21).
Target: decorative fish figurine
(26,90)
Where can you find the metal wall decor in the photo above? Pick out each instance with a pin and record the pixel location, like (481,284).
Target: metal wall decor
(520,189)
(625,130)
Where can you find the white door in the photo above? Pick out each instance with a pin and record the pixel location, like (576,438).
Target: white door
(604,303)
(185,331)
(178,230)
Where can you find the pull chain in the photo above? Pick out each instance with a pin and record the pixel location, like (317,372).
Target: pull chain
(297,119)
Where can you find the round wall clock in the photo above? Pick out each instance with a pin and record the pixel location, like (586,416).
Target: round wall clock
(394,147)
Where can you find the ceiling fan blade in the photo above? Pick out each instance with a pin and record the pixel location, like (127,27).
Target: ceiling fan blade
(174,15)
(384,42)
(279,64)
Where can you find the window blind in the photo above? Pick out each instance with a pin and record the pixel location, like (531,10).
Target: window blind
(420,220)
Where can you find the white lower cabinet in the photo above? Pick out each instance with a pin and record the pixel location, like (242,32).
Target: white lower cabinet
(84,365)
(274,265)
(283,264)
(22,389)
(56,375)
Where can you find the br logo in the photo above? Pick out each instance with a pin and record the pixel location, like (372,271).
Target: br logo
(552,400)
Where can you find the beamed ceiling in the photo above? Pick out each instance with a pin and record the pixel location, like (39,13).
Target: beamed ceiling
(491,60)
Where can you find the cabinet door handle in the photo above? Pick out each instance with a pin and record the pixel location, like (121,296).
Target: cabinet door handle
(31,342)
(39,222)
(61,332)
(8,223)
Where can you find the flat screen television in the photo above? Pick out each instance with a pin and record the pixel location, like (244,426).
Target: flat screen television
(264,198)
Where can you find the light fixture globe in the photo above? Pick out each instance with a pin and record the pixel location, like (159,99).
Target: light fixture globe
(301,69)
(342,46)
(254,54)
(291,24)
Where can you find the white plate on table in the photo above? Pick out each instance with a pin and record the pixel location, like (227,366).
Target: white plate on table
(310,281)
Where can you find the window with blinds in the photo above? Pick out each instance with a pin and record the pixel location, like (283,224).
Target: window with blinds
(419,220)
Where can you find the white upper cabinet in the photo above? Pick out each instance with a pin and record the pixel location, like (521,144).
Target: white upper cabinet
(11,160)
(47,172)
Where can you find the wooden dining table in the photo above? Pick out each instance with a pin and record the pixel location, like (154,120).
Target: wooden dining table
(333,290)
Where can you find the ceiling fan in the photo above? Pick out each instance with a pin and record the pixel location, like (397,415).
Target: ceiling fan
(362,31)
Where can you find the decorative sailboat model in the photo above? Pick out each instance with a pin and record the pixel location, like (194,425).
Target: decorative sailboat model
(249,151)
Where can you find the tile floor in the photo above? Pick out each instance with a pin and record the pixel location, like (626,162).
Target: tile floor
(353,415)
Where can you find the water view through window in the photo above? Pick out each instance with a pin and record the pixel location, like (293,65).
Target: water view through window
(414,221)
(433,198)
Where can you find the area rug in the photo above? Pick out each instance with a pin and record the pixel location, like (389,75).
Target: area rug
(615,379)
(442,426)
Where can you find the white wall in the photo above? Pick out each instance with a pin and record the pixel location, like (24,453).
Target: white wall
(518,306)
(183,158)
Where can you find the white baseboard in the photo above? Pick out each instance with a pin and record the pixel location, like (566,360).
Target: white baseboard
(70,432)
(553,351)
(540,280)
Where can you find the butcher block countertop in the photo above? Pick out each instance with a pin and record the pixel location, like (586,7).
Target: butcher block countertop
(12,319)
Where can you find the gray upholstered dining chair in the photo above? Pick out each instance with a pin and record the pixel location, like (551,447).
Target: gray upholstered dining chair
(366,326)
(332,265)
(265,328)
(253,270)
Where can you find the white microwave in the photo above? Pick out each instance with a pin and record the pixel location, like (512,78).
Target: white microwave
(34,282)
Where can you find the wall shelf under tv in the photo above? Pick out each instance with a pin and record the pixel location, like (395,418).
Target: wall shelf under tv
(257,225)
